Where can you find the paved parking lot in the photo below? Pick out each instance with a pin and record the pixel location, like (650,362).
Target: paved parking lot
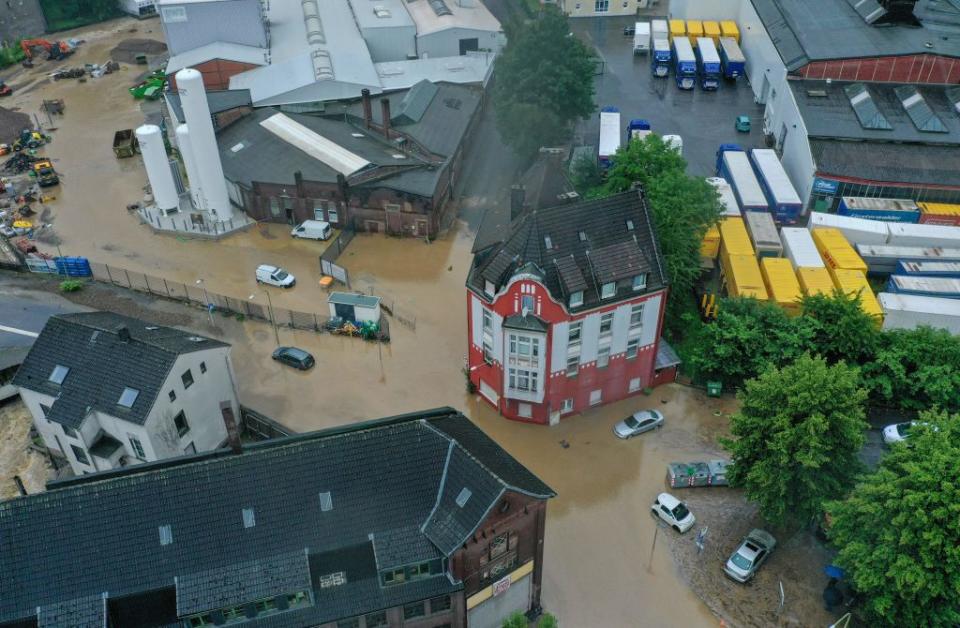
(704,119)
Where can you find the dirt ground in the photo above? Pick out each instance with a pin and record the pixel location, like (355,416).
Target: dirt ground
(15,459)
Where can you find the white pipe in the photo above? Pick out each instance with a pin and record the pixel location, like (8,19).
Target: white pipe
(158,167)
(193,172)
(203,143)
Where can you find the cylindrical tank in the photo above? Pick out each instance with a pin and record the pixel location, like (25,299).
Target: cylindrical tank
(190,161)
(158,167)
(203,143)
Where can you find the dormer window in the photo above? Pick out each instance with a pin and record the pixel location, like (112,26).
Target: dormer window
(640,281)
(576,298)
(59,374)
(609,290)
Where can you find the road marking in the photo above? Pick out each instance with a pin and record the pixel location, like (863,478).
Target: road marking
(22,332)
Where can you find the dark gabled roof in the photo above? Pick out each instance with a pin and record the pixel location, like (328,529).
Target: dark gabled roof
(102,364)
(577,245)
(915,164)
(390,507)
(816,30)
(415,103)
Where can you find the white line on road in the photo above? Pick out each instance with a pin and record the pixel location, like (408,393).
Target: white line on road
(22,332)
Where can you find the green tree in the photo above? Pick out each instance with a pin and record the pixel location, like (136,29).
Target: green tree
(544,82)
(683,208)
(898,531)
(796,438)
(746,338)
(585,175)
(840,329)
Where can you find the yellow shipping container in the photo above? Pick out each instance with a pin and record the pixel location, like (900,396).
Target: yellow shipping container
(781,283)
(728,28)
(836,251)
(815,280)
(678,28)
(939,214)
(853,282)
(734,239)
(742,277)
(710,247)
(712,30)
(694,30)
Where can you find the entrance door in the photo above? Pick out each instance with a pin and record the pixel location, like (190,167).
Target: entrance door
(394,220)
(469,45)
(344,311)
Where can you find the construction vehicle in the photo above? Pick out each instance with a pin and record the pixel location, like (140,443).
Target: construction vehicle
(30,139)
(151,87)
(124,143)
(46,175)
(56,50)
(5,90)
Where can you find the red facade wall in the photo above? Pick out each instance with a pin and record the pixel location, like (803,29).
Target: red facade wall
(217,72)
(613,381)
(923,68)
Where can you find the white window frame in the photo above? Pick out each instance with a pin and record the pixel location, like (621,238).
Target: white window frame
(640,281)
(576,298)
(137,447)
(528,302)
(601,6)
(596,397)
(566,406)
(574,362)
(606,319)
(318,213)
(603,357)
(633,348)
(332,216)
(636,317)
(608,290)
(489,288)
(571,341)
(525,410)
(523,380)
(634,385)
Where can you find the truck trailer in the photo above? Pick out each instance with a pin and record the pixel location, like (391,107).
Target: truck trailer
(836,251)
(609,136)
(902,234)
(939,214)
(942,287)
(928,269)
(799,248)
(727,198)
(815,281)
(855,230)
(763,234)
(710,70)
(637,129)
(660,57)
(883,259)
(781,283)
(734,166)
(641,38)
(782,197)
(685,63)
(732,61)
(907,311)
(886,209)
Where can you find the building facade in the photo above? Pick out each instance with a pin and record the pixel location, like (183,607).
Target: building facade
(565,313)
(107,391)
(441,528)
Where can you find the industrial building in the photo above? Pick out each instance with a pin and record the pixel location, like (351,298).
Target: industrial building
(304,54)
(601,8)
(857,93)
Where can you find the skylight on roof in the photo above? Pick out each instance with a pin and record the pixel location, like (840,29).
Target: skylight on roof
(249,520)
(629,225)
(326,502)
(166,535)
(582,236)
(381,11)
(867,112)
(59,374)
(464,497)
(128,397)
(919,111)
(547,242)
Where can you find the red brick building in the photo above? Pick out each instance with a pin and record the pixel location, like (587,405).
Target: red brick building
(565,311)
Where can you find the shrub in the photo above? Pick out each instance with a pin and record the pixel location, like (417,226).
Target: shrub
(71,285)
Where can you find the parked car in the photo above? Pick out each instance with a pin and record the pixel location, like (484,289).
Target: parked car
(674,512)
(312,230)
(275,276)
(755,548)
(638,423)
(898,432)
(297,358)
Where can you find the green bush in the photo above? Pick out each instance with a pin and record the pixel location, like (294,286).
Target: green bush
(516,620)
(548,621)
(66,14)
(9,55)
(71,285)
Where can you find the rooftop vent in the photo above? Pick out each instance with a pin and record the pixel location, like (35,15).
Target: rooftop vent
(817,93)
(94,335)
(326,502)
(151,328)
(123,334)
(582,235)
(919,111)
(59,374)
(249,520)
(236,148)
(453,103)
(381,11)
(440,7)
(547,242)
(128,397)
(166,535)
(357,134)
(311,19)
(866,110)
(322,65)
(196,338)
(464,497)
(398,156)
(869,10)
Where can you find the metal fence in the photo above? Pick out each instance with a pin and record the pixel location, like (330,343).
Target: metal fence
(256,426)
(329,256)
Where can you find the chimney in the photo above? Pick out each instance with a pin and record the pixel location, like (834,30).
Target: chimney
(367,108)
(517,196)
(233,432)
(385,114)
(20,486)
(123,334)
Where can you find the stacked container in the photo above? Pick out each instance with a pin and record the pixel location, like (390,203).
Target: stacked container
(815,281)
(763,234)
(855,230)
(728,28)
(781,283)
(799,248)
(939,214)
(924,235)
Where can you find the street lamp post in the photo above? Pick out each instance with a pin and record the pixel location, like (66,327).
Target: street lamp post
(206,299)
(273,320)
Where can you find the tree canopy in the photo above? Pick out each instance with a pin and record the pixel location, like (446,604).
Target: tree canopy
(544,82)
(899,530)
(796,437)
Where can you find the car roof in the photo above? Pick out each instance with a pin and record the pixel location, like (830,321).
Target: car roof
(267,267)
(294,351)
(645,414)
(668,500)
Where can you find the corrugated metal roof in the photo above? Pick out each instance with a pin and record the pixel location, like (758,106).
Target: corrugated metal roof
(415,103)
(314,144)
(890,162)
(357,300)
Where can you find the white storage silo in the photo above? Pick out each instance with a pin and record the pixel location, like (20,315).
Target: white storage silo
(203,143)
(190,161)
(158,167)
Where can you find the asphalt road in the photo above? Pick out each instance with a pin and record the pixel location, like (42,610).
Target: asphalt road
(25,313)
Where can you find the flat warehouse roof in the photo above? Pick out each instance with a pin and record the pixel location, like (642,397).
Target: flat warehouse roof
(915,164)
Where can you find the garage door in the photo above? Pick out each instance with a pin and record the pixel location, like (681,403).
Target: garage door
(492,612)
(487,391)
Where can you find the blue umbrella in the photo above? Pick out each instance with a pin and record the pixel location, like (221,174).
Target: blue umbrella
(833,571)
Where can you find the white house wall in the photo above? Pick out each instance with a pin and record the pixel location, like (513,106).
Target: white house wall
(446,43)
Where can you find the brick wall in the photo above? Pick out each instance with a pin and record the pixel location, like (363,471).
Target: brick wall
(216,72)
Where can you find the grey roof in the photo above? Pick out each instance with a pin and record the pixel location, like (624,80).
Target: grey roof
(607,251)
(529,322)
(86,612)
(889,162)
(349,298)
(827,112)
(396,14)
(415,103)
(666,356)
(385,481)
(102,365)
(218,101)
(816,30)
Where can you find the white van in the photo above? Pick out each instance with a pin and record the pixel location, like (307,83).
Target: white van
(312,230)
(275,276)
(641,38)
(675,142)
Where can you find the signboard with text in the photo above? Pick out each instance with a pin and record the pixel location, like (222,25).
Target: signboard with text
(501,586)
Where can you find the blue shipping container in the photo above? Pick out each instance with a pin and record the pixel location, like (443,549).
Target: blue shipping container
(943,287)
(928,269)
(886,209)
(73,266)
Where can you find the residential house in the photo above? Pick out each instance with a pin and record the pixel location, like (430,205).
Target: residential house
(565,308)
(420,521)
(107,390)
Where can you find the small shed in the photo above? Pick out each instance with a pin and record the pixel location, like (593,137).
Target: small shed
(666,365)
(356,308)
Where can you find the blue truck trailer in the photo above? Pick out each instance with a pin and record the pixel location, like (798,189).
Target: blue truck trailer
(734,166)
(685,63)
(710,70)
(942,287)
(907,268)
(782,197)
(661,58)
(886,209)
(732,59)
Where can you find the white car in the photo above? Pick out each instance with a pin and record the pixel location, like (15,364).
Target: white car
(275,276)
(749,555)
(674,512)
(898,432)
(638,423)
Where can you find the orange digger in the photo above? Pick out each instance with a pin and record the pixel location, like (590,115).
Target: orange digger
(55,50)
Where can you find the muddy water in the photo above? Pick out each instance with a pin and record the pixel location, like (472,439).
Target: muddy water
(15,459)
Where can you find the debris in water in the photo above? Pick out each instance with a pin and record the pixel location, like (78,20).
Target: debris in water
(565,444)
